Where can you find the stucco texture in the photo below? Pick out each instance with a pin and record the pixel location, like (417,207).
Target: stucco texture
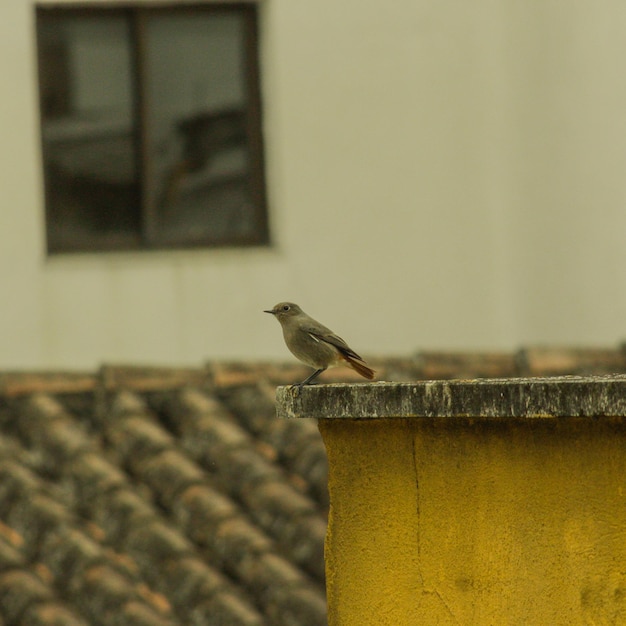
(459,521)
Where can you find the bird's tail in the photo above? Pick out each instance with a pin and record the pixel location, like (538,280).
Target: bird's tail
(360,367)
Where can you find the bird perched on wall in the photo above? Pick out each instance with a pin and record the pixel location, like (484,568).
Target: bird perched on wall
(314,344)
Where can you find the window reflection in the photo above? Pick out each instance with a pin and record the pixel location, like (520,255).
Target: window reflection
(198,165)
(151,127)
(88,131)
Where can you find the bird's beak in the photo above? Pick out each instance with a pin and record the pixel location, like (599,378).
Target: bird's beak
(270,312)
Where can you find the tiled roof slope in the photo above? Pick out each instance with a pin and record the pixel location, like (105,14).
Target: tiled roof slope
(154,496)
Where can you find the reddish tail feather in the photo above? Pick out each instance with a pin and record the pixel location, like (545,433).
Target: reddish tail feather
(359,367)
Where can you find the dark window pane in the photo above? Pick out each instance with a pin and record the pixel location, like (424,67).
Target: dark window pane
(92,188)
(198,162)
(151,127)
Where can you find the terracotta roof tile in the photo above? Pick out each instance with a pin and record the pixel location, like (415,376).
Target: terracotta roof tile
(199,510)
(444,365)
(555,361)
(118,510)
(16,384)
(19,590)
(139,496)
(10,556)
(47,613)
(298,445)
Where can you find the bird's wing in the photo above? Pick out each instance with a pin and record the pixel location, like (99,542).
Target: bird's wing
(327,336)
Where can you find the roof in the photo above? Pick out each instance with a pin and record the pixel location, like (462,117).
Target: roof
(139,496)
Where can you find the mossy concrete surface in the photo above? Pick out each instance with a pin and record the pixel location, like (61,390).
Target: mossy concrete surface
(451,503)
(559,396)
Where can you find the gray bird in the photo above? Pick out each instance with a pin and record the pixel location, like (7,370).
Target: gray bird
(314,344)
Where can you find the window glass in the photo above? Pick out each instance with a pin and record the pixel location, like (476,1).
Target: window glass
(88,130)
(197,139)
(151,127)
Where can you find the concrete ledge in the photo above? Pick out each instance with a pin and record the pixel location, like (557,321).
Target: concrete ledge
(563,396)
(457,502)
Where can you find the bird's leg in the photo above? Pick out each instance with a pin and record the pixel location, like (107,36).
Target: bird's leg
(311,378)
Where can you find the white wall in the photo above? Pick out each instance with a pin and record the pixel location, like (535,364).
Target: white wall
(441,175)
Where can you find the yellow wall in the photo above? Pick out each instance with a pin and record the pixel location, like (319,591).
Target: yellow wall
(484,522)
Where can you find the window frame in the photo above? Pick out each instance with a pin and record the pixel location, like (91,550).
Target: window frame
(147,236)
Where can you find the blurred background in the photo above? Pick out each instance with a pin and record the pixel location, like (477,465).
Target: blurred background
(428,176)
(443,184)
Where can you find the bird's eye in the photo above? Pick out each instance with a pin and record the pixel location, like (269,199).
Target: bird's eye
(286,307)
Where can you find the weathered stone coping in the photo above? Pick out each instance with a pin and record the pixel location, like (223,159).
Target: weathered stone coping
(562,396)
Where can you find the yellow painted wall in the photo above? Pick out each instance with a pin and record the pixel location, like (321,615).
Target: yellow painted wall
(485,522)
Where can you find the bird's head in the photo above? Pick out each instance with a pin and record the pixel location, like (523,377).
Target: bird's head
(284,310)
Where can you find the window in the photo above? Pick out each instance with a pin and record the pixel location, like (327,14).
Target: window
(151,126)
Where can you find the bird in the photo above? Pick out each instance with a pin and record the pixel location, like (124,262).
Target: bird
(314,344)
